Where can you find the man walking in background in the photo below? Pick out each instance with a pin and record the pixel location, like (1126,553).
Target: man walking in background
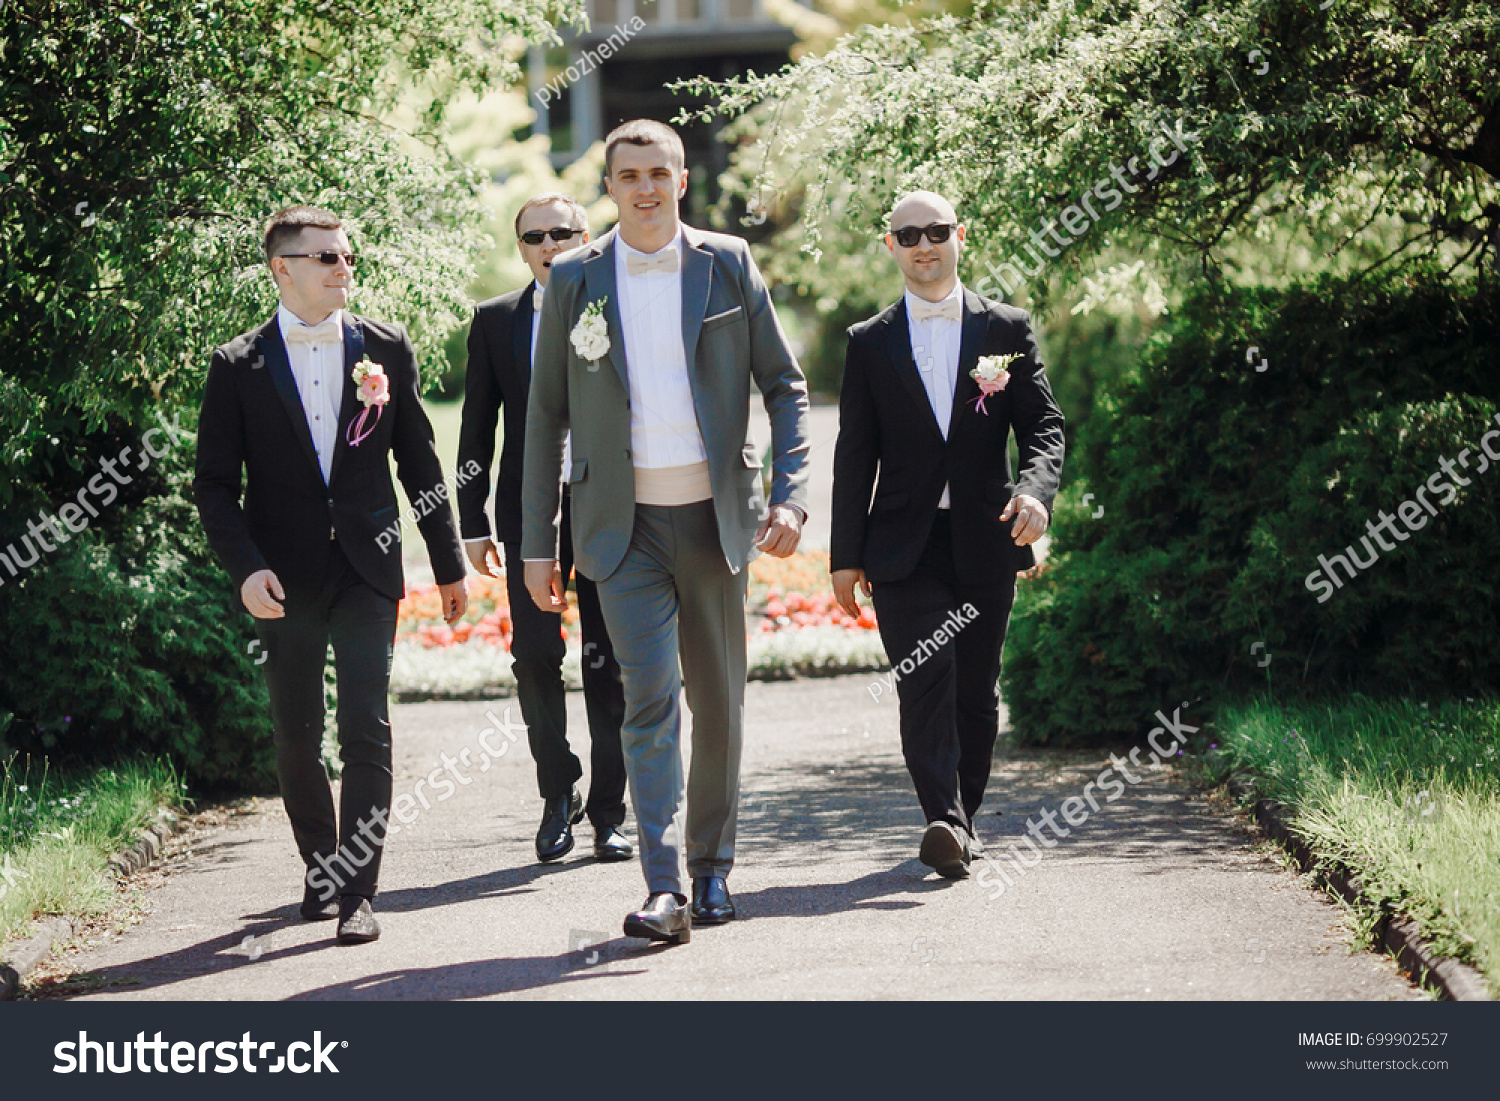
(502,347)
(933,386)
(649,341)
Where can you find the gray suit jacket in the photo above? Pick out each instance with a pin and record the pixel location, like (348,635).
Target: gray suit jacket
(730,334)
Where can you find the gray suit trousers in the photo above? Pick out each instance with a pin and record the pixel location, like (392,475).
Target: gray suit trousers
(674,595)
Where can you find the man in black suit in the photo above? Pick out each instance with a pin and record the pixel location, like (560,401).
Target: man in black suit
(938,548)
(502,346)
(309,549)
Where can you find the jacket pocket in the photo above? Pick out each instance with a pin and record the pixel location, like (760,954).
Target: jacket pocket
(579,472)
(998,493)
(891,500)
(721,318)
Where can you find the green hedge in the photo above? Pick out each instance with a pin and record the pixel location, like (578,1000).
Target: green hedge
(125,641)
(1221,485)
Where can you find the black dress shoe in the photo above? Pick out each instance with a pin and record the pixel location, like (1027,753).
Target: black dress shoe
(711,902)
(610,845)
(316,909)
(946,850)
(356,923)
(555,838)
(664,917)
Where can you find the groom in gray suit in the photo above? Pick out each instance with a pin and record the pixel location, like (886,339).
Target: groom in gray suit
(667,509)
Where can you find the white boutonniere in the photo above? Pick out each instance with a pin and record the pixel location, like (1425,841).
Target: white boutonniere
(590,336)
(992,373)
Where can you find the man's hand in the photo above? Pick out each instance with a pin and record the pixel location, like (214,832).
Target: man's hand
(780,532)
(843,589)
(261,594)
(484,556)
(455,598)
(545,584)
(1031,519)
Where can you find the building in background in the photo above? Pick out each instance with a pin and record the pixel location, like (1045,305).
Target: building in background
(673,40)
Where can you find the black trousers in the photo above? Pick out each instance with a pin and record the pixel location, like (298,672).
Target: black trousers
(343,850)
(950,712)
(537,648)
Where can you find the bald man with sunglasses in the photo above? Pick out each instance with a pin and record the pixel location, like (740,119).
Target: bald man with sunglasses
(928,519)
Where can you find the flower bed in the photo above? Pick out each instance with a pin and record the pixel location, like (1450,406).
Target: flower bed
(794,630)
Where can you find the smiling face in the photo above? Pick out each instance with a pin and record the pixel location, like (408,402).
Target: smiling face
(646,185)
(931,270)
(310,288)
(545,217)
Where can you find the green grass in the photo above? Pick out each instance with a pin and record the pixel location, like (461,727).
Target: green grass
(58,831)
(1404,794)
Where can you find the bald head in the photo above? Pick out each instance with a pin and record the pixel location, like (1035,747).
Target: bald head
(921,208)
(930,266)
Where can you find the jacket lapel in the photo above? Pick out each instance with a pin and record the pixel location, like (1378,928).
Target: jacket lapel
(520,333)
(349,406)
(970,341)
(898,346)
(272,350)
(599,282)
(697,281)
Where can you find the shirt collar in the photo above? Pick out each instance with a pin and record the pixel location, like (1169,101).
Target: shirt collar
(957,292)
(676,240)
(286,319)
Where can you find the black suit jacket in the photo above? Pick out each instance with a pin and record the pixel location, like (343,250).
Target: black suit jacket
(886,426)
(498,376)
(252,419)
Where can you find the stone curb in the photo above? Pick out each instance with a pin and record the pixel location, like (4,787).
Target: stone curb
(27,956)
(1458,981)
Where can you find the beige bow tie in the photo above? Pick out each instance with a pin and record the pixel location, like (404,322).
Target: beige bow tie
(665,260)
(950,308)
(326,333)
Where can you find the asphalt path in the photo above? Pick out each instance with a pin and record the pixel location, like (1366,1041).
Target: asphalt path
(1158,895)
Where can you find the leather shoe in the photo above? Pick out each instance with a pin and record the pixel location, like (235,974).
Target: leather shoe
(610,845)
(357,924)
(318,909)
(664,917)
(711,902)
(554,840)
(946,850)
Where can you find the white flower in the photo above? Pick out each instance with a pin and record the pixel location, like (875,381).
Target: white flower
(590,336)
(991,368)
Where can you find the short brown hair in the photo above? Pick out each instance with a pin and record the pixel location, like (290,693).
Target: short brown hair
(285,226)
(644,132)
(547,198)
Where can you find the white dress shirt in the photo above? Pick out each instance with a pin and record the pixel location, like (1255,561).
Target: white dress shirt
(319,373)
(664,428)
(934,347)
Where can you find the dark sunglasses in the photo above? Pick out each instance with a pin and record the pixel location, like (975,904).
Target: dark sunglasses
(536,236)
(327,256)
(908,236)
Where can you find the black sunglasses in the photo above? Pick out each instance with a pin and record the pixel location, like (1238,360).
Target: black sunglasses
(327,256)
(908,236)
(536,236)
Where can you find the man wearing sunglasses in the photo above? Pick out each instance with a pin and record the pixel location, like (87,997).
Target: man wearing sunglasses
(949,527)
(303,546)
(502,347)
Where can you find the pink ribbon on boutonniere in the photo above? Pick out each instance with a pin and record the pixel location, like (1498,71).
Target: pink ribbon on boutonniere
(992,375)
(374,391)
